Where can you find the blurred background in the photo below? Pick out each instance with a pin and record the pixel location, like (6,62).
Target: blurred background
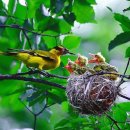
(95,37)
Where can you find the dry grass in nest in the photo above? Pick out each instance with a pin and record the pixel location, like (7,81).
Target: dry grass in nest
(91,94)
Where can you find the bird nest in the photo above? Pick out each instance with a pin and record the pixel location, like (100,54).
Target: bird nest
(91,94)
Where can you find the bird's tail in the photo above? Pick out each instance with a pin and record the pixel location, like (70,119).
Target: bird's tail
(1,52)
(8,53)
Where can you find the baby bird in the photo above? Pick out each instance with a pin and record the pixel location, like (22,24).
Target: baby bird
(102,66)
(74,68)
(82,61)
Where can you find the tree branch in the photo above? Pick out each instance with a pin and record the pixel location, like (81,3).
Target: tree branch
(123,96)
(46,74)
(17,77)
(31,31)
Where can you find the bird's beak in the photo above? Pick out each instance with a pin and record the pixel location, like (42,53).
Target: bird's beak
(67,67)
(93,60)
(71,53)
(77,62)
(68,52)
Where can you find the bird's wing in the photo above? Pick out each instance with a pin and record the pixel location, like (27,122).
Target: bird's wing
(40,53)
(45,55)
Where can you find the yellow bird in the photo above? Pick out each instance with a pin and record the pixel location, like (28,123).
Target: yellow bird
(42,60)
(102,66)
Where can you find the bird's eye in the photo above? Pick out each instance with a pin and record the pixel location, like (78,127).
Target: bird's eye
(96,56)
(79,58)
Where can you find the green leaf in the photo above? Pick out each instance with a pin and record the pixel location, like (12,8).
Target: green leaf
(20,8)
(55,98)
(124,28)
(20,90)
(62,123)
(122,19)
(125,106)
(33,5)
(11,6)
(3,11)
(1,4)
(127,9)
(127,54)
(50,42)
(91,2)
(37,99)
(119,39)
(70,18)
(46,3)
(64,27)
(83,11)
(59,5)
(64,128)
(119,115)
(45,23)
(71,42)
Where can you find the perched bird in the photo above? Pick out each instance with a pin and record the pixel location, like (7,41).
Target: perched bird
(42,60)
(102,66)
(81,61)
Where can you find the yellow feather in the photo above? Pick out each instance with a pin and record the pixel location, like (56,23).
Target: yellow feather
(43,60)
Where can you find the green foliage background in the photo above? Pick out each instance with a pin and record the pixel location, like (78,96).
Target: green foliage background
(60,20)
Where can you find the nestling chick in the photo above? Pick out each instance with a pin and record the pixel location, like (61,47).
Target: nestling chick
(102,66)
(81,61)
(73,68)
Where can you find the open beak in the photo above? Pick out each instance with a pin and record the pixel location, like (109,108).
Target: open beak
(93,60)
(77,62)
(67,67)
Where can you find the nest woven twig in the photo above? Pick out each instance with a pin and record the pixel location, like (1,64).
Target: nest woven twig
(91,94)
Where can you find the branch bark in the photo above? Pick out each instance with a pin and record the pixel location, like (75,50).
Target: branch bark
(15,26)
(17,77)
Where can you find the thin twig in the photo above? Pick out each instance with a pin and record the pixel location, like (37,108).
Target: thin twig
(114,121)
(34,114)
(35,122)
(26,106)
(37,114)
(31,31)
(123,96)
(27,39)
(127,66)
(124,74)
(17,77)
